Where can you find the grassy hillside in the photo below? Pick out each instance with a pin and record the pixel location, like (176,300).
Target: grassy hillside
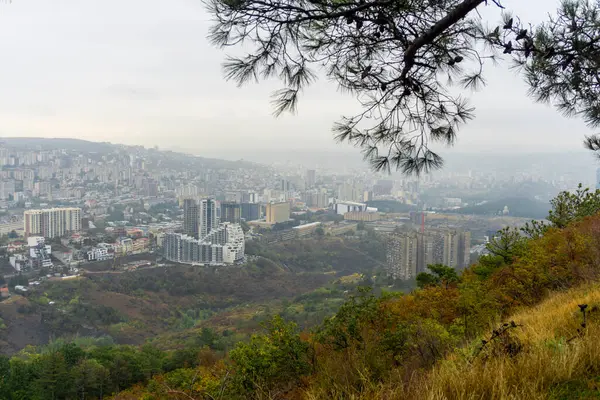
(548,356)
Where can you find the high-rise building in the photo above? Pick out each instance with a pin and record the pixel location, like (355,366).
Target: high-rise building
(231,212)
(207,219)
(402,253)
(457,249)
(150,187)
(431,249)
(277,212)
(286,185)
(7,188)
(190,218)
(311,178)
(410,253)
(250,211)
(53,222)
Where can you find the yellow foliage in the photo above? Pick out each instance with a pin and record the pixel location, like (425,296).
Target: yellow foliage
(553,354)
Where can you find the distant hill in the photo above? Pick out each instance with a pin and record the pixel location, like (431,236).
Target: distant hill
(517,206)
(179,158)
(391,206)
(58,143)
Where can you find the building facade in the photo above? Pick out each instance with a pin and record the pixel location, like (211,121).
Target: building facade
(231,212)
(207,220)
(409,254)
(224,245)
(311,178)
(250,211)
(277,212)
(53,222)
(190,218)
(402,253)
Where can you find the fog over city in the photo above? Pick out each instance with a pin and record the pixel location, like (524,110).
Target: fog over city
(143,72)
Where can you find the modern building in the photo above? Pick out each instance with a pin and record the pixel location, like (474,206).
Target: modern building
(316,199)
(250,211)
(7,189)
(190,218)
(277,212)
(53,222)
(311,178)
(224,245)
(207,220)
(410,253)
(402,253)
(457,249)
(343,207)
(39,253)
(231,212)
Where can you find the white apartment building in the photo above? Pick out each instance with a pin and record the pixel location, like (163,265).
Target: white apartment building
(52,222)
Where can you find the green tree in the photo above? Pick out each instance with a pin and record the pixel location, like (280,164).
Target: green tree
(271,360)
(567,207)
(508,244)
(54,381)
(89,378)
(441,275)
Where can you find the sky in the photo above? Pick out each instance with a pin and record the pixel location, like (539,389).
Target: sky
(142,72)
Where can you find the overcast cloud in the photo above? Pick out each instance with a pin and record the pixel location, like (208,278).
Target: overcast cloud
(142,72)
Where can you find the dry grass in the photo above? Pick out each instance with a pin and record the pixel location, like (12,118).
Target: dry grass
(555,361)
(553,357)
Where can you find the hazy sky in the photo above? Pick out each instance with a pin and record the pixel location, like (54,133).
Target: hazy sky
(142,72)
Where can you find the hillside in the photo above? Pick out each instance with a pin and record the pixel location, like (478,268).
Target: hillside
(518,207)
(548,356)
(133,307)
(509,327)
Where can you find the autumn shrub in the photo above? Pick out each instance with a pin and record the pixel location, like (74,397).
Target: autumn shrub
(269,364)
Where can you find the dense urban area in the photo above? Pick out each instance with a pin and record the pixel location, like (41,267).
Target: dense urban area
(106,247)
(71,206)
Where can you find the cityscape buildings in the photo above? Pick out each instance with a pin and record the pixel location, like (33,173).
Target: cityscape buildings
(207,216)
(277,212)
(231,212)
(191,218)
(224,245)
(409,253)
(311,178)
(250,211)
(53,222)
